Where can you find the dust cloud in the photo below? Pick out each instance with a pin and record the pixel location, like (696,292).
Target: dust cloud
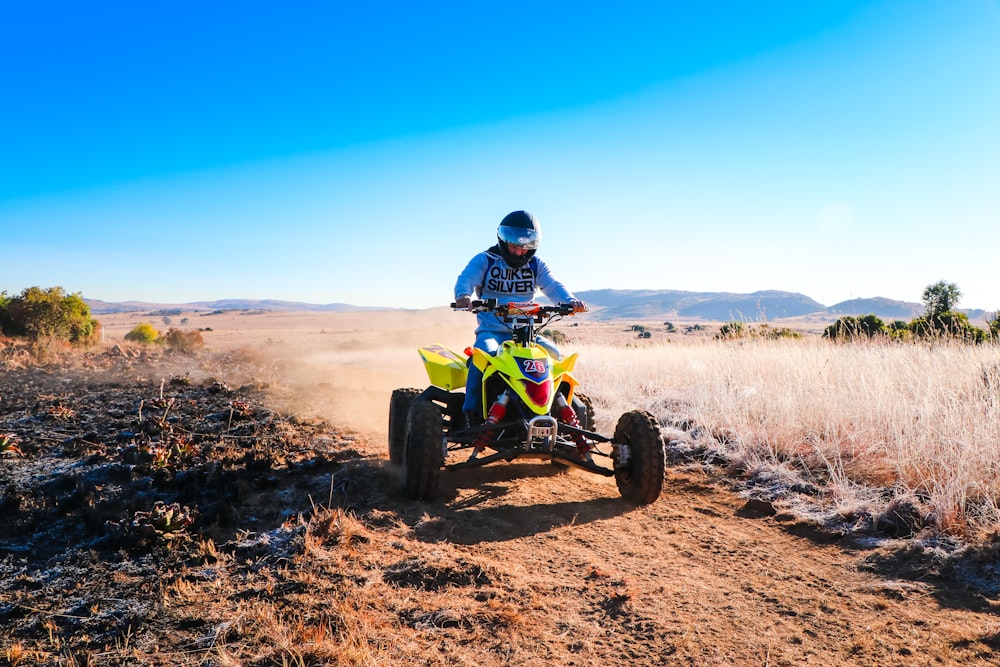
(341,367)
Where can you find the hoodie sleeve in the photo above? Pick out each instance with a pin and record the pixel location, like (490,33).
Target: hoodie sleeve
(550,285)
(470,281)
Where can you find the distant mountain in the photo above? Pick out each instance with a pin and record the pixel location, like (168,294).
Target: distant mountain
(886,309)
(98,307)
(608,304)
(717,306)
(763,306)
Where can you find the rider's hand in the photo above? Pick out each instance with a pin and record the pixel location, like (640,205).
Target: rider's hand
(463,302)
(578,306)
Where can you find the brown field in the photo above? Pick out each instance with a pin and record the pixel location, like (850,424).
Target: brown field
(303,553)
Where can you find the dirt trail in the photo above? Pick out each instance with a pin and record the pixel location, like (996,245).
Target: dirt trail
(694,579)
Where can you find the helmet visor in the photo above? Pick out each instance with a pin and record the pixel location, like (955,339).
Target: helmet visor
(519,236)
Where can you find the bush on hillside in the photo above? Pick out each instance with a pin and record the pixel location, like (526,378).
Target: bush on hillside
(44,315)
(949,324)
(556,336)
(737,330)
(731,330)
(186,341)
(143,333)
(994,326)
(851,327)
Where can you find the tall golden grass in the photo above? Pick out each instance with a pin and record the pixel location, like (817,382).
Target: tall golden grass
(871,421)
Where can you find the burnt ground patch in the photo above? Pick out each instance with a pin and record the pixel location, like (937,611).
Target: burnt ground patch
(121,478)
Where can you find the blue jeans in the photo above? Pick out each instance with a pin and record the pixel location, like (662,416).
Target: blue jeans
(489,342)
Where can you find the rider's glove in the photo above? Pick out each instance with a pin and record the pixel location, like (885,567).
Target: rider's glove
(578,306)
(463,302)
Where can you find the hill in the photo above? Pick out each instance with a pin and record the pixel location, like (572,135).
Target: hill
(717,306)
(887,309)
(608,304)
(98,307)
(766,305)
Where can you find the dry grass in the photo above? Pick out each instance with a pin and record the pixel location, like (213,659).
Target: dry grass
(921,421)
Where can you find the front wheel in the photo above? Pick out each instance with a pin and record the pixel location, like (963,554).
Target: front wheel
(399,406)
(640,477)
(423,455)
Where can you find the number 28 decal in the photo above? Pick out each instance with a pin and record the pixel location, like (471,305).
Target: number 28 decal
(533,366)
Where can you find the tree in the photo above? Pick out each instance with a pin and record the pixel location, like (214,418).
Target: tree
(939,298)
(4,321)
(48,314)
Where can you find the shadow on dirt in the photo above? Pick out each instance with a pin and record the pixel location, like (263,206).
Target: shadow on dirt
(476,518)
(474,525)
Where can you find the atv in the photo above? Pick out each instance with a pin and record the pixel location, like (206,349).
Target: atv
(531,410)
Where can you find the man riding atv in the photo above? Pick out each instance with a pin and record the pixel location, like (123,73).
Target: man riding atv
(507,272)
(520,398)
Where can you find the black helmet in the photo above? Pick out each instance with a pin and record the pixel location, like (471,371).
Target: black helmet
(522,230)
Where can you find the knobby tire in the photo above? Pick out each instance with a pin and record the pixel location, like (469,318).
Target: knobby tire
(399,407)
(423,454)
(641,481)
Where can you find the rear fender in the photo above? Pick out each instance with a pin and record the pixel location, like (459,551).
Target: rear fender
(446,368)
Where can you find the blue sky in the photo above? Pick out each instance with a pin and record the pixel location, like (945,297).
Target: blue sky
(362,152)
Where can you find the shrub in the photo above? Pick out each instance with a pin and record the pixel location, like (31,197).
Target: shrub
(731,330)
(994,326)
(734,330)
(556,336)
(645,334)
(850,327)
(948,324)
(187,341)
(143,333)
(48,314)
(765,331)
(4,301)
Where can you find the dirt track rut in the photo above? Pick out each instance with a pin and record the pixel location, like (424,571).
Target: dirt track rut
(697,579)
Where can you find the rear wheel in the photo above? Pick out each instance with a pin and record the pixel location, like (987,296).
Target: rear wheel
(399,406)
(423,454)
(640,479)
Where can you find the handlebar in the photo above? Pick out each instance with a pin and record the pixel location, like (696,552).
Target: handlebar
(514,309)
